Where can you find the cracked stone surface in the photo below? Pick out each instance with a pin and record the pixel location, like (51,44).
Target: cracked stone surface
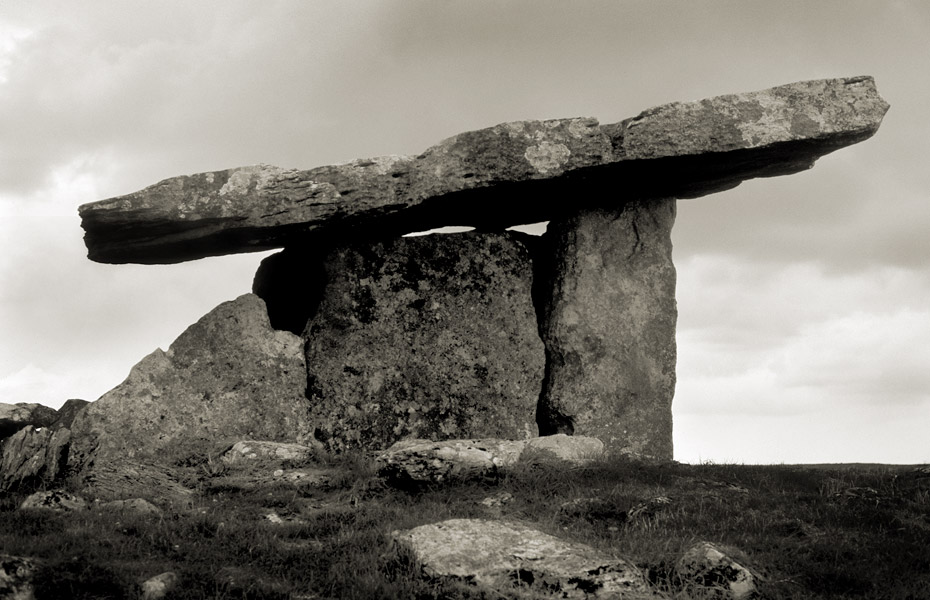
(430,337)
(423,462)
(509,174)
(608,322)
(508,556)
(227,377)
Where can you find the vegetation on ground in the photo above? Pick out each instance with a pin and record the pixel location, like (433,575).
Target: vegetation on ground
(824,533)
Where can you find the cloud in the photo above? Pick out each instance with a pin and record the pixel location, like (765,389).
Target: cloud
(774,360)
(32,384)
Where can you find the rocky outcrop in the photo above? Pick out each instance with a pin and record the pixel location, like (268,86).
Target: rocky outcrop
(424,462)
(14,417)
(429,337)
(32,457)
(114,479)
(509,557)
(65,415)
(607,318)
(493,178)
(229,376)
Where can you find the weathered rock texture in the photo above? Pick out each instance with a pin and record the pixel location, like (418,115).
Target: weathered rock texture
(706,566)
(32,456)
(509,557)
(424,462)
(68,412)
(431,337)
(608,322)
(14,417)
(229,376)
(505,175)
(17,577)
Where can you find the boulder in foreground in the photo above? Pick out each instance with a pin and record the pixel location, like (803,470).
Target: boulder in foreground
(510,557)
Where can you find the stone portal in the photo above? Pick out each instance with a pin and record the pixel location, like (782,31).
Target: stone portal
(604,288)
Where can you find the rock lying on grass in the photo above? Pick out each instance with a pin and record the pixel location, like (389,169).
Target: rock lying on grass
(157,587)
(17,574)
(133,505)
(704,564)
(56,500)
(418,462)
(248,450)
(502,556)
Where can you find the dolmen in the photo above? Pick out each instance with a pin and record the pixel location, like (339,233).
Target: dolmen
(357,337)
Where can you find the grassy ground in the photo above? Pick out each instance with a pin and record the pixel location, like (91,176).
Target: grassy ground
(829,532)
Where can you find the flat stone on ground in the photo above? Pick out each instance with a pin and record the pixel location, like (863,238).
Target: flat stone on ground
(505,556)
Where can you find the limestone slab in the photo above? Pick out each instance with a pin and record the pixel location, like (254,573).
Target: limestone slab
(509,174)
(512,557)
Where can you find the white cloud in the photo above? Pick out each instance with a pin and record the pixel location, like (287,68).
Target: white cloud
(786,364)
(32,384)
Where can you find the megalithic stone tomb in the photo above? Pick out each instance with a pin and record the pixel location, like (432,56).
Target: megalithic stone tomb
(604,278)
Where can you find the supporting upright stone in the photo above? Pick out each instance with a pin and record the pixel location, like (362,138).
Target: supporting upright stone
(428,337)
(608,324)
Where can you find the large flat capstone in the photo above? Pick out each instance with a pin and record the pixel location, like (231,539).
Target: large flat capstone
(505,175)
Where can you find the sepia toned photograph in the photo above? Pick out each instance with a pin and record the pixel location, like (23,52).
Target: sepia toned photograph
(310,299)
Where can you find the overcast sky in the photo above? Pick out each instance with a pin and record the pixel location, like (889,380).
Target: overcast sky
(804,325)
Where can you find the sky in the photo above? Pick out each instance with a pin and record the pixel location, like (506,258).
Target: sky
(804,321)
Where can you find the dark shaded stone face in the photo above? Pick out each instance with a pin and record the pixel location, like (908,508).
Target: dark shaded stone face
(432,337)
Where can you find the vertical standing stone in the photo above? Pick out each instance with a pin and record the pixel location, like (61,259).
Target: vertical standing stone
(608,324)
(428,337)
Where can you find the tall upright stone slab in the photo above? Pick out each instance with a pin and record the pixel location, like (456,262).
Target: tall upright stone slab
(608,323)
(429,337)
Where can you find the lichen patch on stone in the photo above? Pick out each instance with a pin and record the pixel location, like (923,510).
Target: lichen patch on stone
(242,179)
(547,156)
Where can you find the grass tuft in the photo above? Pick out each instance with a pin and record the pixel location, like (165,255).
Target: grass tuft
(812,533)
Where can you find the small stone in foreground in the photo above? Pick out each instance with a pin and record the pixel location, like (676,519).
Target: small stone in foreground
(156,588)
(247,450)
(56,500)
(418,462)
(705,565)
(508,556)
(16,577)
